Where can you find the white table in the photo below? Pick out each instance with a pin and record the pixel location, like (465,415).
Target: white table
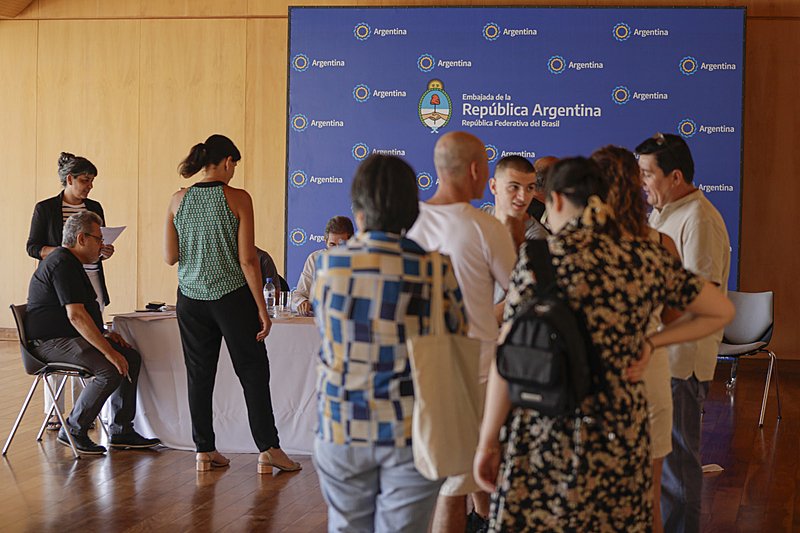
(162,399)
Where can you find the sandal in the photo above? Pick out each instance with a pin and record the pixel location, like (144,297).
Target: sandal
(53,424)
(203,465)
(265,467)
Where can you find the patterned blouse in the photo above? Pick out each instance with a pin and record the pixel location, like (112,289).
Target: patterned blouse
(591,473)
(370,295)
(208,246)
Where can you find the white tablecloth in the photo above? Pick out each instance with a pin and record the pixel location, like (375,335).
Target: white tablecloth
(163,407)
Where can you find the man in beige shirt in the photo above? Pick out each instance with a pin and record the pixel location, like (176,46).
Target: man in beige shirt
(682,212)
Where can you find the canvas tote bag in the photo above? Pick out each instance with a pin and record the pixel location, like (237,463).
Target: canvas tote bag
(447,397)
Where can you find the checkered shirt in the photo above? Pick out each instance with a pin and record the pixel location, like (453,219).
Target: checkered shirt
(370,295)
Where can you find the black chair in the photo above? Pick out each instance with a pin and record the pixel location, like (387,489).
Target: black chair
(41,370)
(749,334)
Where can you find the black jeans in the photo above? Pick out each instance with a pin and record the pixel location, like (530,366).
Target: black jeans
(203,324)
(108,383)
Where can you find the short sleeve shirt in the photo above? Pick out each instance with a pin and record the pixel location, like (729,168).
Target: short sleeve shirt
(59,280)
(704,247)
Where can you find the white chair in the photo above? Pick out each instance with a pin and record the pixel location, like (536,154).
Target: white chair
(749,334)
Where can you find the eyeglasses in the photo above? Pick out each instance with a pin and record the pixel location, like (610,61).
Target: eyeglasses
(663,144)
(100,238)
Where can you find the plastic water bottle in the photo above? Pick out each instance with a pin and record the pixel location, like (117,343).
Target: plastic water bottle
(269,297)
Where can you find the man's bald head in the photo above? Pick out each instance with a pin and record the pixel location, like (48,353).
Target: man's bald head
(455,152)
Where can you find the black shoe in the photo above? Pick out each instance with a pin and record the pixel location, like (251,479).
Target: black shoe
(82,443)
(132,440)
(476,523)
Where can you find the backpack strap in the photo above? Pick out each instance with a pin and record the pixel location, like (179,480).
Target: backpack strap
(542,263)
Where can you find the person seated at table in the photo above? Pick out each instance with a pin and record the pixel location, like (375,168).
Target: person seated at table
(64,322)
(338,230)
(371,294)
(270,271)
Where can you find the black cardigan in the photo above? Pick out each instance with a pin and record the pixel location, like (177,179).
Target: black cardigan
(47,226)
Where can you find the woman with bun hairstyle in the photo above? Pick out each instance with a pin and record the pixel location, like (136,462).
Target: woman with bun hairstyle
(77,176)
(209,232)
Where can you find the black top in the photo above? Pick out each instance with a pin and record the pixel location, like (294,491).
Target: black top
(59,280)
(269,270)
(47,226)
(536,209)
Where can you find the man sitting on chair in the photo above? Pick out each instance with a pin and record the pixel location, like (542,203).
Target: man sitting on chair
(64,321)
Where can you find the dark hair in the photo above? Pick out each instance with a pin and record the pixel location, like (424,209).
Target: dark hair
(339,225)
(75,165)
(579,179)
(620,169)
(541,166)
(514,162)
(385,191)
(671,153)
(215,149)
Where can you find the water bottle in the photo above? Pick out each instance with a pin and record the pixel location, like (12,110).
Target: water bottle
(269,297)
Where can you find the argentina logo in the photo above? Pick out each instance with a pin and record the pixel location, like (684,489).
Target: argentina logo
(300,62)
(435,108)
(620,95)
(556,65)
(298,179)
(622,31)
(424,181)
(299,122)
(362,31)
(360,151)
(425,62)
(298,237)
(491,153)
(688,65)
(687,128)
(361,93)
(491,31)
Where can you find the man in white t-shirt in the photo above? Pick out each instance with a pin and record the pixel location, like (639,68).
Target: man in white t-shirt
(482,253)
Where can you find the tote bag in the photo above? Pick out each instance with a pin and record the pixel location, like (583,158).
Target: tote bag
(447,398)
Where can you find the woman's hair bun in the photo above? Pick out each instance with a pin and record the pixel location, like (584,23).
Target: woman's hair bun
(65,158)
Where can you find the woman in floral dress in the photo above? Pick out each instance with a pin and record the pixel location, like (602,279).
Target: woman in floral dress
(590,473)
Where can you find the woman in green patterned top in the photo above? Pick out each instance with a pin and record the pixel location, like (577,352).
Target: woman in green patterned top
(209,232)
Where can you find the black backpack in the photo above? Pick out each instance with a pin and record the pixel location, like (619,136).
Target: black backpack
(547,357)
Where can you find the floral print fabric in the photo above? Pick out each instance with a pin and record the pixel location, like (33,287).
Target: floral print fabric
(590,473)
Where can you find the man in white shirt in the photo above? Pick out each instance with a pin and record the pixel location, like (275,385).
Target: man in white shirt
(682,212)
(482,253)
(337,231)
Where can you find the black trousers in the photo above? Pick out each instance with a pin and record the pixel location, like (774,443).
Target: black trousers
(203,324)
(108,383)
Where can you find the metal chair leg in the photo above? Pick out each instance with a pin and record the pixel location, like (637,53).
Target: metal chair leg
(61,419)
(21,413)
(777,388)
(772,360)
(59,392)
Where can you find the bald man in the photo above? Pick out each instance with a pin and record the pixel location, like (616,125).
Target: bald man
(482,253)
(537,207)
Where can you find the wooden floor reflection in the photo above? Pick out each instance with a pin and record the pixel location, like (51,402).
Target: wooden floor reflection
(42,488)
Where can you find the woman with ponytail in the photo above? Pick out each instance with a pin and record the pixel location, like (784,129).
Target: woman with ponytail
(589,472)
(77,175)
(209,232)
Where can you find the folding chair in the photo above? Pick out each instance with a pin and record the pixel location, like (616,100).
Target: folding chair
(749,334)
(41,370)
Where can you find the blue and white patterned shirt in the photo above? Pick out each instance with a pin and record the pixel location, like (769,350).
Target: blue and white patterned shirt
(370,295)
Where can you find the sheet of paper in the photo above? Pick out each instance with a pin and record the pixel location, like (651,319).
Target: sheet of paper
(110,234)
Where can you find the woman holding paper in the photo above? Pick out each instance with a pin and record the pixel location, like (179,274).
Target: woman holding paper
(77,176)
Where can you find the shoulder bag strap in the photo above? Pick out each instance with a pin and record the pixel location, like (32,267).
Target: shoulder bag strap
(541,261)
(437,299)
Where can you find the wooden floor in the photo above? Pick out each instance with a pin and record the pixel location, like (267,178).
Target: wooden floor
(42,488)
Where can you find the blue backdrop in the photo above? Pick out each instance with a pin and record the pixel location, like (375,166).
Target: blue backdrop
(527,81)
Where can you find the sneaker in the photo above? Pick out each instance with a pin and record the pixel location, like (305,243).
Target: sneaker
(476,523)
(132,440)
(82,443)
